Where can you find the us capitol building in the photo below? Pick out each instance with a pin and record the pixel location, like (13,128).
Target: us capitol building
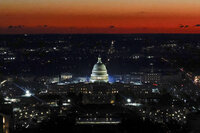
(99,72)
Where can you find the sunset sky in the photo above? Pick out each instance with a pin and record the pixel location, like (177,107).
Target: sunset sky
(99,16)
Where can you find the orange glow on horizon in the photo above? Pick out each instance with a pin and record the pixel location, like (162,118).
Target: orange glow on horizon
(122,15)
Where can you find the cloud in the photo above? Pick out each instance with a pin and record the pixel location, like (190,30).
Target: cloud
(186,26)
(197,25)
(112,27)
(183,26)
(15,26)
(10,27)
(43,26)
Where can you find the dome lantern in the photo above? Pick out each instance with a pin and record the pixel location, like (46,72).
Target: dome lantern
(99,60)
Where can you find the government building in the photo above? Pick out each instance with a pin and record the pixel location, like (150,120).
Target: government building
(99,72)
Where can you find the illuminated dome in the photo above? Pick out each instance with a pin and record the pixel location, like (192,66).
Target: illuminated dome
(99,72)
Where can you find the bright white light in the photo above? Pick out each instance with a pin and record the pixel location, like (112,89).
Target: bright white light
(98,122)
(66,104)
(28,94)
(128,100)
(133,104)
(68,100)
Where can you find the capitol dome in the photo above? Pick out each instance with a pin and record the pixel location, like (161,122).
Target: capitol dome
(99,72)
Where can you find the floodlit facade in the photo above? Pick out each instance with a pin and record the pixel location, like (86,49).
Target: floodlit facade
(99,72)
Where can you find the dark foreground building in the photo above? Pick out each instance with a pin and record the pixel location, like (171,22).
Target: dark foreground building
(97,119)
(6,124)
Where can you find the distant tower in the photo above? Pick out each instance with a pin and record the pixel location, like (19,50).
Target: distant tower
(151,64)
(99,72)
(111,50)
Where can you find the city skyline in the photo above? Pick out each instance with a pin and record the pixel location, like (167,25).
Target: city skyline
(144,83)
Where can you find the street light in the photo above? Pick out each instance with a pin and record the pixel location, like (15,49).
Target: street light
(128,100)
